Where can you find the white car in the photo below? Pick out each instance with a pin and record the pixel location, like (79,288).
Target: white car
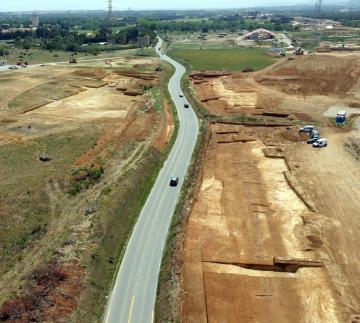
(181,95)
(320,143)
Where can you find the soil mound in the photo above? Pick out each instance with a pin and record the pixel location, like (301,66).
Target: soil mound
(310,75)
(93,73)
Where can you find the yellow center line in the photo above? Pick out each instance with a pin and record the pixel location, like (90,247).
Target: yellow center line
(131,307)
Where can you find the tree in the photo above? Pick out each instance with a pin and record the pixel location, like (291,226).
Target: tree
(27,44)
(4,51)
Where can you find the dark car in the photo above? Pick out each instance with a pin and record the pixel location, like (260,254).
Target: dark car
(186,105)
(314,133)
(313,139)
(174,181)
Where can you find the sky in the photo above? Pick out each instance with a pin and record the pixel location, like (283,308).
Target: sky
(30,5)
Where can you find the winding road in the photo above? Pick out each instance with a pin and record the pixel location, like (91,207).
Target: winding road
(132,299)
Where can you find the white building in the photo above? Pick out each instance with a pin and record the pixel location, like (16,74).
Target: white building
(35,20)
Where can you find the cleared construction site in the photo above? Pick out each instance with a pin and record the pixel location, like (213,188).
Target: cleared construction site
(271,234)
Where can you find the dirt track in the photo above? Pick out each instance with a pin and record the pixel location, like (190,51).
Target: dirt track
(272,234)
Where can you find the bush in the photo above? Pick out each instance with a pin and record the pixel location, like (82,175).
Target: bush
(26,308)
(247,70)
(85,177)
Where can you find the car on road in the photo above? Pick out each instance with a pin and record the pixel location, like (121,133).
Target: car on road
(320,143)
(174,181)
(307,129)
(13,67)
(186,105)
(181,95)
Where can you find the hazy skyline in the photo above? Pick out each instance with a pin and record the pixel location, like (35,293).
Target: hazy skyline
(30,5)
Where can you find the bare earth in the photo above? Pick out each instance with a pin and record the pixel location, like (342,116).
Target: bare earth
(272,234)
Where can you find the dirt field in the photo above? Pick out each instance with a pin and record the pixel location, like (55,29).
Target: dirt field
(101,131)
(303,88)
(272,234)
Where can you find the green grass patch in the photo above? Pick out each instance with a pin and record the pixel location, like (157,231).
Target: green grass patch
(145,52)
(224,59)
(25,208)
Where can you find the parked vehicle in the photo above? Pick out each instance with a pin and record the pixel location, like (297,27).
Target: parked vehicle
(186,105)
(174,181)
(181,95)
(313,139)
(341,117)
(314,133)
(307,129)
(320,143)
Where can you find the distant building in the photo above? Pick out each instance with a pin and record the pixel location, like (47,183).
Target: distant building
(259,34)
(35,20)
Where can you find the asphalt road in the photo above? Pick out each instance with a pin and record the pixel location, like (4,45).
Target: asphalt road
(133,296)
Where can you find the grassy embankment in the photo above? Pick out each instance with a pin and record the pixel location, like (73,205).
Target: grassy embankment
(224,59)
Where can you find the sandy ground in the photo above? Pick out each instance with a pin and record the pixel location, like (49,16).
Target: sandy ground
(267,195)
(246,214)
(100,104)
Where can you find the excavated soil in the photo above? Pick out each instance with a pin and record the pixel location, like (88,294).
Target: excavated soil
(100,104)
(258,244)
(272,235)
(300,89)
